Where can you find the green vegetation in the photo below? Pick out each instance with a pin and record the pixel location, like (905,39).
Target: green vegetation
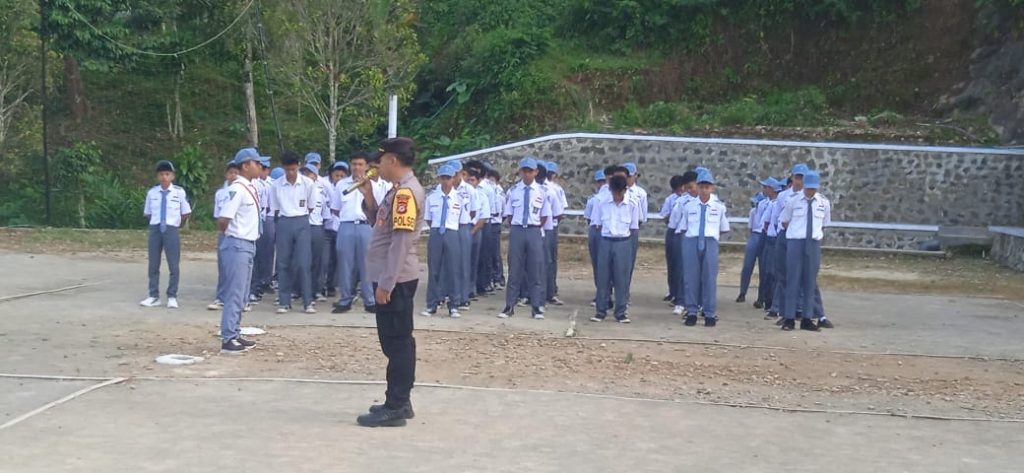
(471,73)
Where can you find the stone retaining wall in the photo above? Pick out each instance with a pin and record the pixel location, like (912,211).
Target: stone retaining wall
(1008,248)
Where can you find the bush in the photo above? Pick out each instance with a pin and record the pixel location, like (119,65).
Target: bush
(805,107)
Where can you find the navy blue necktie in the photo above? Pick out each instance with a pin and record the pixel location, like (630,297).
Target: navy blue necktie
(444,215)
(703,218)
(163,210)
(526,206)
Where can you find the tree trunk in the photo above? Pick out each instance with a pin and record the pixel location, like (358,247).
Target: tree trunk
(253,137)
(75,90)
(179,124)
(81,208)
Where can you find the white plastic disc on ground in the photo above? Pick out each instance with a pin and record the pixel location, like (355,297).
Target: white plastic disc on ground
(178,360)
(252,331)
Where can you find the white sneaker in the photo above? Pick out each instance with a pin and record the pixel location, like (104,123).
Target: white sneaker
(522,302)
(172,302)
(454,314)
(282,310)
(540,309)
(428,313)
(150,302)
(538,316)
(248,308)
(216,305)
(679,310)
(310,309)
(502,315)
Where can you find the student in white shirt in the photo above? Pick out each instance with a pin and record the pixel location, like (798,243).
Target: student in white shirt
(671,240)
(549,179)
(220,198)
(480,222)
(354,233)
(689,187)
(444,250)
(753,249)
(318,217)
(339,171)
(703,223)
(593,229)
(804,217)
(496,267)
(526,209)
(640,195)
(468,195)
(239,221)
(263,266)
(483,267)
(293,198)
(616,218)
(771,233)
(166,208)
(796,187)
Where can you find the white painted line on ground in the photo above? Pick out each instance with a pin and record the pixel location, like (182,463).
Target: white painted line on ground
(69,397)
(51,291)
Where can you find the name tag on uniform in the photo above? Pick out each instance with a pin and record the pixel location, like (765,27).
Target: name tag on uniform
(302,203)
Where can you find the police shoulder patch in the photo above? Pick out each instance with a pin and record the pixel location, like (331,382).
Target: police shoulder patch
(404,211)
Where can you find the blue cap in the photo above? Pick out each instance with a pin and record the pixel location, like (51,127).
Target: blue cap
(705,176)
(812,180)
(528,163)
(700,169)
(276,173)
(456,165)
(631,167)
(800,169)
(446,170)
(599,175)
(265,161)
(770,182)
(313,157)
(310,168)
(552,167)
(340,165)
(245,155)
(757,198)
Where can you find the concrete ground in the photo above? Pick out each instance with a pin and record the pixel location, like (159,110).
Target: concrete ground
(159,420)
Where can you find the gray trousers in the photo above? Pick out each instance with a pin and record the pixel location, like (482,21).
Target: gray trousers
(166,242)
(219,296)
(474,261)
(321,257)
(294,258)
(593,243)
(466,242)
(444,268)
(614,257)
(551,262)
(752,256)
(263,265)
(766,286)
(672,260)
(484,267)
(525,265)
(779,293)
(701,276)
(803,259)
(331,279)
(237,258)
(680,299)
(352,244)
(497,264)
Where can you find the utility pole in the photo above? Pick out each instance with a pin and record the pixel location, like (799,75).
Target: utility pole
(42,91)
(266,75)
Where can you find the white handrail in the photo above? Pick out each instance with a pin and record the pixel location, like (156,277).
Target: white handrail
(902,227)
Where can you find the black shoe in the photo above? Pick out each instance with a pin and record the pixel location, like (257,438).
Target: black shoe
(506,313)
(473,297)
(370,308)
(295,297)
(690,321)
(758,305)
(780,321)
(787,324)
(741,298)
(809,325)
(332,292)
(406,410)
(771,316)
(464,306)
(825,323)
(341,309)
(710,321)
(701,314)
(383,418)
(246,343)
(232,347)
(799,315)
(667,298)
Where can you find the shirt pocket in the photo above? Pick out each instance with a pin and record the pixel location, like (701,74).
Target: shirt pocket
(624,218)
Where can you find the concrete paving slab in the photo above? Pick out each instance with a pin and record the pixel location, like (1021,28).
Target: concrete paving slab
(19,396)
(203,426)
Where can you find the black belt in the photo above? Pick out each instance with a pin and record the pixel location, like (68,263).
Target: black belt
(616,238)
(356,222)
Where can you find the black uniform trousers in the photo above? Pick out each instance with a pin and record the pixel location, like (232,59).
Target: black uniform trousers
(394,329)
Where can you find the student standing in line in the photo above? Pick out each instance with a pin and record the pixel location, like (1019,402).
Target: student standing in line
(527,209)
(753,249)
(339,171)
(616,217)
(467,194)
(594,227)
(260,268)
(766,283)
(796,187)
(219,199)
(559,204)
(294,197)
(239,220)
(804,217)
(317,235)
(483,215)
(166,208)
(483,268)
(269,282)
(498,207)
(689,188)
(444,250)
(671,241)
(354,234)
(640,195)
(704,221)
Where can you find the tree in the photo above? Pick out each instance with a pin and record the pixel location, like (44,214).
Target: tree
(16,53)
(345,57)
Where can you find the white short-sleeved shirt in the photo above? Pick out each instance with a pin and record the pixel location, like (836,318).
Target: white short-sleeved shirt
(349,207)
(795,216)
(220,198)
(263,192)
(537,208)
(177,205)
(641,195)
(316,214)
(556,202)
(678,211)
(293,200)
(666,207)
(435,205)
(716,220)
(380,189)
(498,204)
(757,216)
(469,204)
(588,210)
(242,208)
(483,206)
(617,220)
